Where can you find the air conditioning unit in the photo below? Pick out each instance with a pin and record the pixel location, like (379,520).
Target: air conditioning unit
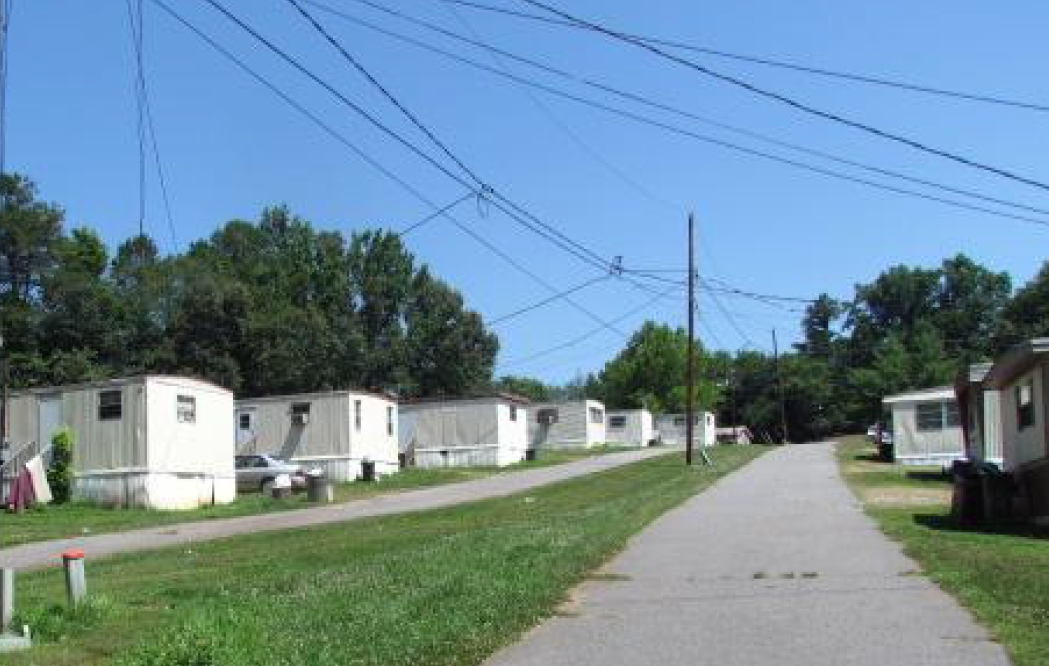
(300,419)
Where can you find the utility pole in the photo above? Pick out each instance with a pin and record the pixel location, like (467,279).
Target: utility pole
(691,372)
(690,391)
(4,18)
(732,401)
(779,382)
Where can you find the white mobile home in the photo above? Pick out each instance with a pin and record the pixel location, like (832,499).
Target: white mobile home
(486,431)
(632,427)
(980,411)
(672,430)
(1021,376)
(152,441)
(335,431)
(579,424)
(926,428)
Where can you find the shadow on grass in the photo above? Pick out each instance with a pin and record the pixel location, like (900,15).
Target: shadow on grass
(932,476)
(944,523)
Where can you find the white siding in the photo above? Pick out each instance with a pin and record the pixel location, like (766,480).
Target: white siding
(463,433)
(1029,444)
(330,439)
(637,428)
(912,446)
(672,431)
(574,428)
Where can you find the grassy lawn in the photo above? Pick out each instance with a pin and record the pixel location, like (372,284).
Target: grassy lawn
(1002,577)
(55,522)
(440,587)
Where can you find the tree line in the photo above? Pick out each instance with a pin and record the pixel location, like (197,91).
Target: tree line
(265,307)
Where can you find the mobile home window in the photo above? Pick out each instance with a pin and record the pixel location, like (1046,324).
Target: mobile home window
(389,420)
(616,421)
(244,420)
(597,415)
(513,412)
(300,408)
(930,416)
(951,419)
(186,409)
(357,415)
(110,405)
(1025,404)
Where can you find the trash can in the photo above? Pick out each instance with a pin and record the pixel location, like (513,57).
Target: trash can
(318,488)
(967,495)
(530,454)
(998,492)
(367,470)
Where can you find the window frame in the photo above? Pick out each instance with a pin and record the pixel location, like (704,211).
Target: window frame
(389,420)
(181,412)
(111,411)
(357,408)
(617,421)
(513,412)
(923,422)
(241,418)
(1025,414)
(597,415)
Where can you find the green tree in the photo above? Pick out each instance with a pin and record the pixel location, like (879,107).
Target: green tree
(1026,315)
(528,387)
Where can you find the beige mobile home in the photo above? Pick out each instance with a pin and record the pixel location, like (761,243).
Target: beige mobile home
(926,429)
(980,411)
(152,441)
(487,431)
(335,431)
(579,424)
(1021,377)
(630,427)
(672,432)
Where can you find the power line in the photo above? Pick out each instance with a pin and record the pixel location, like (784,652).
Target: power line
(778,63)
(574,247)
(546,301)
(328,129)
(647,120)
(434,215)
(789,101)
(585,336)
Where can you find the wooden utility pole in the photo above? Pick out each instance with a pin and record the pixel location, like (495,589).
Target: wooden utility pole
(3,85)
(690,391)
(779,382)
(691,371)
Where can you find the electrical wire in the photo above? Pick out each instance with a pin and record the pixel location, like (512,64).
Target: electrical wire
(546,301)
(332,132)
(134,13)
(605,87)
(777,63)
(792,102)
(658,124)
(434,215)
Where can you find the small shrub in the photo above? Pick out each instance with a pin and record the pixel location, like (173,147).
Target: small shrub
(60,471)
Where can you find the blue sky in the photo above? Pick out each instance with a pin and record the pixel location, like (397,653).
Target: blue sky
(230,147)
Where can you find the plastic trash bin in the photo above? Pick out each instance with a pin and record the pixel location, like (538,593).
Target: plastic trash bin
(318,487)
(530,454)
(998,492)
(967,495)
(368,470)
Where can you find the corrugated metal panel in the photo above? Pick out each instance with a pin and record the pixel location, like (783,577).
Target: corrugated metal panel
(201,445)
(923,447)
(464,433)
(635,431)
(572,429)
(326,433)
(107,444)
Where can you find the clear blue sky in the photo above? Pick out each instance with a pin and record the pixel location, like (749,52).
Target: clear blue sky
(230,147)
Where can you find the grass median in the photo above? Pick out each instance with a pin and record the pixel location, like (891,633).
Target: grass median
(73,520)
(441,587)
(1002,577)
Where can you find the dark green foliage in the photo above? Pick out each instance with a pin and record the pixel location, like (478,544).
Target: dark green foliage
(60,471)
(272,307)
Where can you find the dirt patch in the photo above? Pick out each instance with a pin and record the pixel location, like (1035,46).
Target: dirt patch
(899,496)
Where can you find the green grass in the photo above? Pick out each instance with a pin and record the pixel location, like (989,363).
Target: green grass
(71,520)
(445,587)
(1002,577)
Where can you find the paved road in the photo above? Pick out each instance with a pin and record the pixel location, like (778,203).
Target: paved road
(776,565)
(46,553)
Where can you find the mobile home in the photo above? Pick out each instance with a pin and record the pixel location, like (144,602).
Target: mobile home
(632,427)
(579,424)
(152,441)
(1021,376)
(926,428)
(335,431)
(484,431)
(672,430)
(980,412)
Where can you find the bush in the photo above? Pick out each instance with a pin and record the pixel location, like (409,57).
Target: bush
(60,471)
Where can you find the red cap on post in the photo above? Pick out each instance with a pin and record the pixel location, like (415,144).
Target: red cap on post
(73,554)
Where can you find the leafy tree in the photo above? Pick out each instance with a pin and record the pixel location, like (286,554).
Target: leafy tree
(528,387)
(1026,316)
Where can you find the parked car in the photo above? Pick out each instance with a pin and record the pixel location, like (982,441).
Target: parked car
(872,432)
(256,471)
